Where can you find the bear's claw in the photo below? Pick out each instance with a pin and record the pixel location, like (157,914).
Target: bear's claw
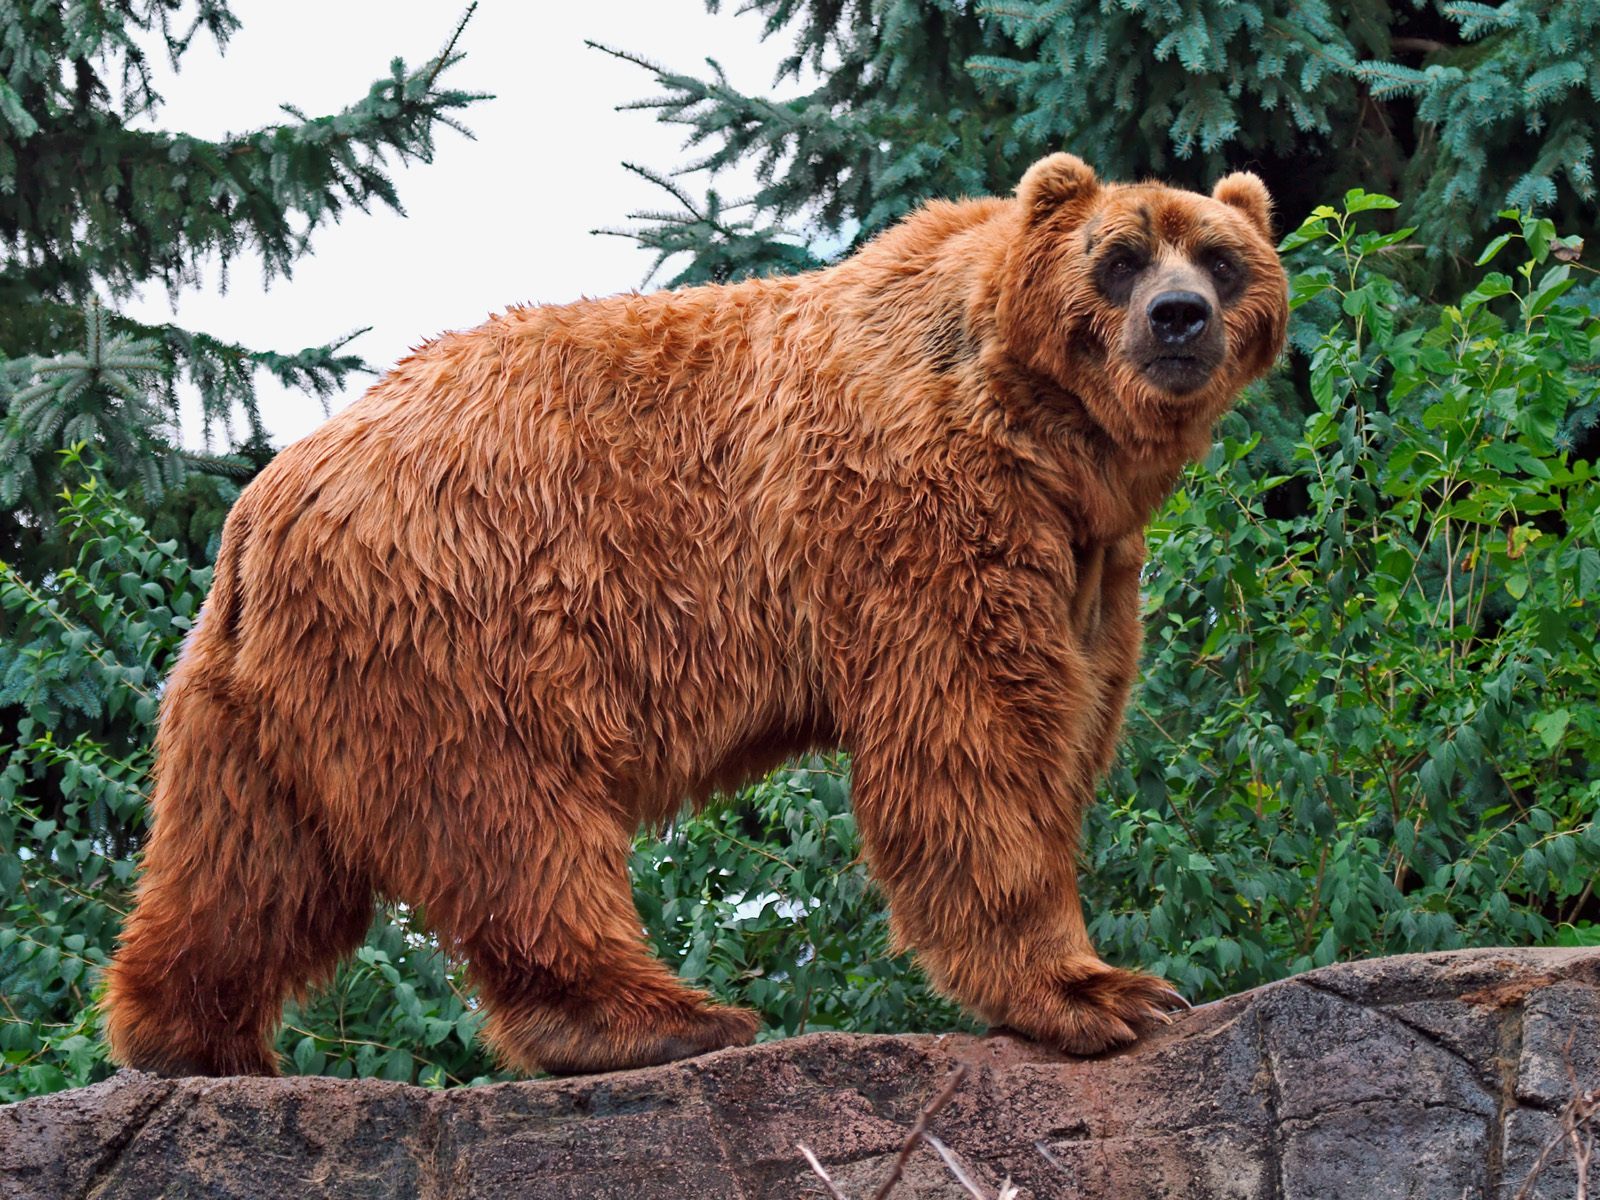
(707,1028)
(1090,1008)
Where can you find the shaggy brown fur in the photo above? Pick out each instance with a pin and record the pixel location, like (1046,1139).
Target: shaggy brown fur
(554,576)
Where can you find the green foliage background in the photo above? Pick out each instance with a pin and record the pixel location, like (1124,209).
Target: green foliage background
(1369,718)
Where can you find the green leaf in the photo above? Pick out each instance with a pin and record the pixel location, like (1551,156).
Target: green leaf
(1492,286)
(1314,228)
(1539,234)
(1356,200)
(1582,933)
(1552,726)
(398,1065)
(1493,248)
(308,1059)
(1306,287)
(1588,561)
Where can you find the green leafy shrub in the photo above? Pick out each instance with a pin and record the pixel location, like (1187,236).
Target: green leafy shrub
(90,647)
(763,898)
(95,203)
(1372,726)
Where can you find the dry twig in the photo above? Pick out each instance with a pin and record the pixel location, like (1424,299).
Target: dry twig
(1044,1153)
(820,1173)
(1574,1125)
(919,1133)
(1008,1190)
(919,1129)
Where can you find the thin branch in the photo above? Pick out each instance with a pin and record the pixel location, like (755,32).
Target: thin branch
(443,60)
(919,1130)
(1418,44)
(1574,1124)
(820,1173)
(953,1164)
(919,1133)
(1044,1153)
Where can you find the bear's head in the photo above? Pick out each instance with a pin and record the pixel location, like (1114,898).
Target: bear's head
(1152,305)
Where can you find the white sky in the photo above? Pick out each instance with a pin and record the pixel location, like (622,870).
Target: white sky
(500,220)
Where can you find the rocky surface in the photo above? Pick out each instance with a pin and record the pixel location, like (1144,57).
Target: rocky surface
(1423,1076)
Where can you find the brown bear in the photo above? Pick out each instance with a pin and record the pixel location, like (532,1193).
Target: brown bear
(556,576)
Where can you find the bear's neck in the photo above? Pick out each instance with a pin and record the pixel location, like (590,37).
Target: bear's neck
(1106,489)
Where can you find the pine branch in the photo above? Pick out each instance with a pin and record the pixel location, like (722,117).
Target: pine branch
(447,56)
(157,204)
(221,370)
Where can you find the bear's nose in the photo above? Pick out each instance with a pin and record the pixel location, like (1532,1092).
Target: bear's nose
(1177,318)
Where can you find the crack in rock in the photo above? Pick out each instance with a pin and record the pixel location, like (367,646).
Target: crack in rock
(100,1173)
(1387,1013)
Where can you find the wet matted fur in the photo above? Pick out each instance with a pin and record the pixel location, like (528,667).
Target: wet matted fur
(556,575)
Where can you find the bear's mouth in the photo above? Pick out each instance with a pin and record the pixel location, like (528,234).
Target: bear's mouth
(1178,373)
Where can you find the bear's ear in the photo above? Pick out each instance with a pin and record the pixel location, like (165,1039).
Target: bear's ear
(1054,181)
(1248,194)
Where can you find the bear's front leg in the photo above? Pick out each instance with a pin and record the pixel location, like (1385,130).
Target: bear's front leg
(975,735)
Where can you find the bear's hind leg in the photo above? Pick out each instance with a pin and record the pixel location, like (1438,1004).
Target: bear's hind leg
(618,1010)
(558,956)
(239,906)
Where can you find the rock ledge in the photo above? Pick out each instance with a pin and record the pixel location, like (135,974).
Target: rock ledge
(1424,1076)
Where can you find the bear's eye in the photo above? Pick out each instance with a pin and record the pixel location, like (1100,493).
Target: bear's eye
(1118,271)
(1223,268)
(1227,272)
(1122,265)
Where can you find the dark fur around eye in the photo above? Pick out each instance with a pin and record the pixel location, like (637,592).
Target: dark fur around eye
(1228,274)
(1116,271)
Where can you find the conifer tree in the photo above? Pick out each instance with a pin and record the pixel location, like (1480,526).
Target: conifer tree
(1462,109)
(93,206)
